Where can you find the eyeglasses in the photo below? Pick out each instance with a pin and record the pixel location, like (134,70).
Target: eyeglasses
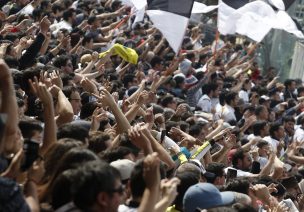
(119,190)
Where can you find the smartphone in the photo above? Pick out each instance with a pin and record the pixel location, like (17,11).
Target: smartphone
(231,174)
(215,148)
(30,149)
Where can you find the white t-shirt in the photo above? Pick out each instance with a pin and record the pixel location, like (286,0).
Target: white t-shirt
(240,173)
(244,95)
(299,135)
(228,113)
(205,103)
(125,208)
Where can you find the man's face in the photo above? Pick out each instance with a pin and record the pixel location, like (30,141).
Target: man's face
(96,23)
(73,18)
(292,86)
(235,101)
(216,93)
(172,104)
(281,133)
(160,66)
(68,68)
(289,127)
(263,151)
(246,162)
(75,101)
(37,136)
(116,198)
(265,130)
(221,179)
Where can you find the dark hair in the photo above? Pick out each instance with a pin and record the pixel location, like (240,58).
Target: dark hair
(288,82)
(87,110)
(274,127)
(262,143)
(215,168)
(239,154)
(259,109)
(91,19)
(91,179)
(187,179)
(56,152)
(184,126)
(207,88)
(61,61)
(240,185)
(28,127)
(115,154)
(56,7)
(288,119)
(230,96)
(74,131)
(68,90)
(97,141)
(127,79)
(137,182)
(166,100)
(195,130)
(300,89)
(71,159)
(62,193)
(258,126)
(68,14)
(156,60)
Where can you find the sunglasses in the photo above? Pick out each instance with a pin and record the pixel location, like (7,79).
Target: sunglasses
(119,190)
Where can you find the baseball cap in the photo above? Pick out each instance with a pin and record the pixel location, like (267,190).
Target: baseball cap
(205,196)
(125,167)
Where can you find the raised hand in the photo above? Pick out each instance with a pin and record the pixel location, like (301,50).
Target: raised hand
(181,109)
(45,79)
(41,91)
(99,114)
(56,79)
(4,71)
(169,189)
(45,25)
(137,136)
(142,98)
(88,85)
(149,117)
(151,171)
(105,98)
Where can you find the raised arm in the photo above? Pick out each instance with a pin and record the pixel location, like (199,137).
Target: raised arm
(107,100)
(10,108)
(64,108)
(49,135)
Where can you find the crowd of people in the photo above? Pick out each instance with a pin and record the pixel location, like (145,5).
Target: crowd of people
(97,113)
